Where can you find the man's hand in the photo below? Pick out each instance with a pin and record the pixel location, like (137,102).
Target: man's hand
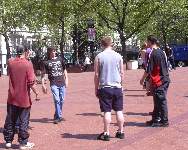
(44,89)
(97,93)
(37,97)
(66,84)
(143,78)
(142,81)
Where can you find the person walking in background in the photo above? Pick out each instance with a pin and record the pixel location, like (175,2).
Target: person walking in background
(108,80)
(170,58)
(57,75)
(157,69)
(142,54)
(87,63)
(21,80)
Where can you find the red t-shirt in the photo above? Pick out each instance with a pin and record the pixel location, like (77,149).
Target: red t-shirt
(21,77)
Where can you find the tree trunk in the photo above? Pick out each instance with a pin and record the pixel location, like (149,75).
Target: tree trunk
(186,40)
(7,45)
(7,48)
(62,42)
(75,43)
(164,34)
(123,51)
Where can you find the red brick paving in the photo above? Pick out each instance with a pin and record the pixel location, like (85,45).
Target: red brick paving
(83,121)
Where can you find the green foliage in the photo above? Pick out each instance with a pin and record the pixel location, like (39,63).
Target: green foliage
(169,23)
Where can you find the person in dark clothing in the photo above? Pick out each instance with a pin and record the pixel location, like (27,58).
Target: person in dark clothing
(58,77)
(21,80)
(158,71)
(170,57)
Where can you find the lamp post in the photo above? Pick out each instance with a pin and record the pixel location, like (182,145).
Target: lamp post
(91,33)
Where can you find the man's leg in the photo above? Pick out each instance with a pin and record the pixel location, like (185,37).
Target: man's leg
(105,100)
(9,127)
(120,120)
(163,103)
(107,121)
(56,96)
(62,96)
(117,105)
(23,135)
(156,110)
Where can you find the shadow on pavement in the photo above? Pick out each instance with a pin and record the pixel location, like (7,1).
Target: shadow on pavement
(80,136)
(1,130)
(14,146)
(133,90)
(136,95)
(42,120)
(89,114)
(137,114)
(136,124)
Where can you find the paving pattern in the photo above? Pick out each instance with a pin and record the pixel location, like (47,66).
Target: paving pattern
(83,122)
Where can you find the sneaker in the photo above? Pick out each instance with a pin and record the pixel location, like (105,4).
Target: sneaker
(164,124)
(153,122)
(156,124)
(120,135)
(8,145)
(27,146)
(149,123)
(56,121)
(150,113)
(103,137)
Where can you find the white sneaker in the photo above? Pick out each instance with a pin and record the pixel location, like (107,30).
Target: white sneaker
(8,145)
(27,146)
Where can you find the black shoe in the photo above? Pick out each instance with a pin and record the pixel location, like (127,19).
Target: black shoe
(120,135)
(56,121)
(164,124)
(153,123)
(150,113)
(149,123)
(156,124)
(103,137)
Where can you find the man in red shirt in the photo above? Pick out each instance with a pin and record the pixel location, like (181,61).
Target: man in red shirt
(21,80)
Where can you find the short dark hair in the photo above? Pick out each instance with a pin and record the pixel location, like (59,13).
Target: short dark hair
(49,50)
(106,41)
(20,49)
(153,40)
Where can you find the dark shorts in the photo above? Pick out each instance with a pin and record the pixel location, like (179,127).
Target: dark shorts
(110,98)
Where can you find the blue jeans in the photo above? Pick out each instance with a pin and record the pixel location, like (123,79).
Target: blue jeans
(58,96)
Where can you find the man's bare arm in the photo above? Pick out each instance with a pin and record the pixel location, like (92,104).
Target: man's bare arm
(44,88)
(122,72)
(66,78)
(96,76)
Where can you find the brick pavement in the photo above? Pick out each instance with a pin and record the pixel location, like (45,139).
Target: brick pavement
(83,122)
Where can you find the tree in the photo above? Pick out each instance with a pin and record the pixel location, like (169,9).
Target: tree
(126,16)
(169,23)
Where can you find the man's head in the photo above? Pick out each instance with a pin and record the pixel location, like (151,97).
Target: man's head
(152,41)
(22,50)
(106,41)
(51,52)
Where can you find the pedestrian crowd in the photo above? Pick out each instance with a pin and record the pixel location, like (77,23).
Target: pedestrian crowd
(108,82)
